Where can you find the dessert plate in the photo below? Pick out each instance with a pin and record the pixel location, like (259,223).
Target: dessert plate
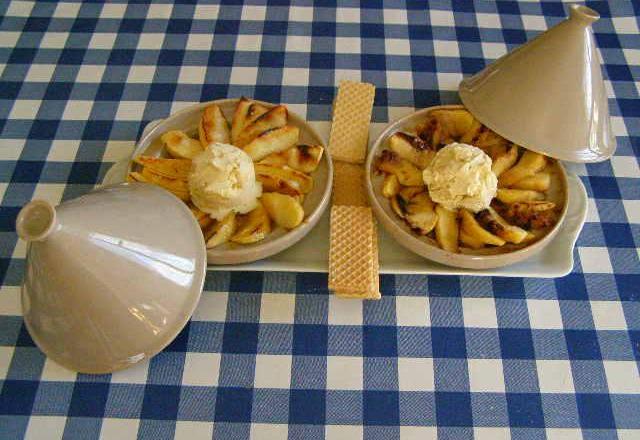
(311,253)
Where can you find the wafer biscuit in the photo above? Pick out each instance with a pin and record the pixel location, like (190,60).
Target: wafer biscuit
(353,265)
(350,124)
(348,184)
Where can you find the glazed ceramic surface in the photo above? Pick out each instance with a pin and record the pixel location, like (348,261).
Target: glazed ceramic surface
(548,95)
(111,277)
(279,239)
(424,246)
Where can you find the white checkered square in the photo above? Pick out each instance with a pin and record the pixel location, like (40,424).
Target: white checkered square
(343,432)
(493,51)
(479,312)
(626,25)
(269,431)
(277,308)
(104,40)
(397,46)
(254,13)
(608,315)
(595,260)
(415,374)
(244,75)
(413,311)
(63,151)
(348,45)
(443,48)
(159,11)
(491,21)
(90,73)
(6,354)
(176,106)
(622,377)
(130,110)
(344,373)
(3,190)
(564,434)
(534,22)
(151,41)
(449,81)
(10,298)
(212,307)
(394,16)
(51,192)
(482,433)
(19,9)
(136,374)
(625,166)
(45,427)
(200,42)
(347,15)
(273,371)
(77,110)
(298,44)
(544,313)
(301,13)
(121,429)
(347,75)
(441,18)
(486,375)
(66,10)
(344,311)
(206,12)
(618,125)
(632,56)
(418,433)
(187,430)
(40,73)
(632,209)
(192,74)
(113,10)
(9,38)
(295,76)
(201,369)
(141,74)
(249,43)
(55,372)
(555,376)
(25,109)
(399,79)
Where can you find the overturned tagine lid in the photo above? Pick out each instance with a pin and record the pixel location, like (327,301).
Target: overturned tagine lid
(111,277)
(548,95)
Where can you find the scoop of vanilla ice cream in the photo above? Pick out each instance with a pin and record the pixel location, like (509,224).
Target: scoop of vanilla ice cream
(460,176)
(223,179)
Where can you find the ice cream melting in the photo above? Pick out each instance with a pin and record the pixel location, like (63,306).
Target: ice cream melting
(222,180)
(460,176)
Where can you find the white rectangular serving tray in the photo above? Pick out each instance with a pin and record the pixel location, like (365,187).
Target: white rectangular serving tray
(312,252)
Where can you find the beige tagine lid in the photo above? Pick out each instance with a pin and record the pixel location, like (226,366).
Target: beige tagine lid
(548,95)
(111,277)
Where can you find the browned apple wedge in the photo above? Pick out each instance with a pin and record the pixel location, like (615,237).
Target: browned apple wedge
(221,231)
(239,118)
(304,158)
(213,127)
(252,227)
(472,228)
(538,182)
(274,118)
(411,148)
(421,214)
(272,141)
(181,146)
(283,179)
(284,210)
(178,187)
(529,164)
(447,230)
(406,172)
(171,168)
(505,161)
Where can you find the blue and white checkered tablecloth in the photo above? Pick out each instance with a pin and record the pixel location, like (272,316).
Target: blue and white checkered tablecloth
(273,355)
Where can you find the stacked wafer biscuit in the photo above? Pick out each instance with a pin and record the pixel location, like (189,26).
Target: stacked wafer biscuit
(353,254)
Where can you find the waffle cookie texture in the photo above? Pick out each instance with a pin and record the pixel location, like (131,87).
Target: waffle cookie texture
(351,119)
(353,262)
(353,247)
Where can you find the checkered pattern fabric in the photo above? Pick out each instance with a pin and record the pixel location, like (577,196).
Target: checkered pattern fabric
(273,355)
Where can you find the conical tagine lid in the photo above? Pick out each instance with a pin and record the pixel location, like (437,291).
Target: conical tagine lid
(548,95)
(111,277)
